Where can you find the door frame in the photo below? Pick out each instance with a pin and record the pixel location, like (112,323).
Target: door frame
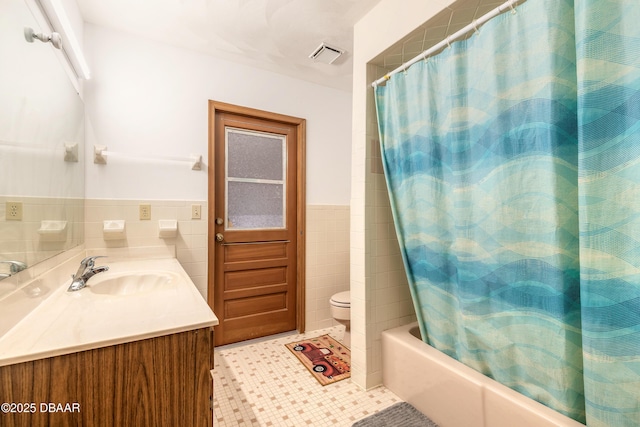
(216,107)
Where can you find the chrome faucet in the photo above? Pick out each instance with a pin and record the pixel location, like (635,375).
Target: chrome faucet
(85,272)
(15,266)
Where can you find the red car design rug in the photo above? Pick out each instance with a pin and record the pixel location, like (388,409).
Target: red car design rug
(327,359)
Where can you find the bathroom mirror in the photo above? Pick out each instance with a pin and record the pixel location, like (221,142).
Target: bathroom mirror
(41,146)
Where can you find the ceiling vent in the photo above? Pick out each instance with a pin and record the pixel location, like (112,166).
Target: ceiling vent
(326,54)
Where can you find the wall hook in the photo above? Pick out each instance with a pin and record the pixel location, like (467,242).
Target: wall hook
(54,38)
(99,157)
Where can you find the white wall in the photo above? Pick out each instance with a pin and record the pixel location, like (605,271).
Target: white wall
(147,97)
(40,111)
(379,294)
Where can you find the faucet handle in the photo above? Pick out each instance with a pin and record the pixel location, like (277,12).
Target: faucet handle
(90,260)
(17,266)
(14,266)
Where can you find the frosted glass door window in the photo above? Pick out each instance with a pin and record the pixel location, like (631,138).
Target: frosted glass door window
(255,180)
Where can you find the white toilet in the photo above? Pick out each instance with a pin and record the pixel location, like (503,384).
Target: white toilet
(341,311)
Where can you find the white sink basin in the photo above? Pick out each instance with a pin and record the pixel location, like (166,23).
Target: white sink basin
(132,283)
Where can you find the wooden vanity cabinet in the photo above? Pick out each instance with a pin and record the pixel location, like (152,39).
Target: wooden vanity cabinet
(163,381)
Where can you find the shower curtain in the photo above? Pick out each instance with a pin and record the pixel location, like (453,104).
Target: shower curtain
(608,46)
(512,160)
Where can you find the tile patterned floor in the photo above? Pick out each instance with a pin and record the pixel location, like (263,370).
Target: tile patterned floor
(262,384)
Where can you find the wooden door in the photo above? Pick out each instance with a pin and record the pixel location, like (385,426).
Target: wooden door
(254,229)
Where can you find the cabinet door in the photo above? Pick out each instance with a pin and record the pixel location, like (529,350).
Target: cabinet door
(158,381)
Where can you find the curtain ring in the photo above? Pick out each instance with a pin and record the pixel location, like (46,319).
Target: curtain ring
(449,42)
(475,26)
(513,9)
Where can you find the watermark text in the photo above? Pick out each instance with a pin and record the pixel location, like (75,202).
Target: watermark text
(33,407)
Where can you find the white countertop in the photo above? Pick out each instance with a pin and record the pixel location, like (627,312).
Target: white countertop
(62,322)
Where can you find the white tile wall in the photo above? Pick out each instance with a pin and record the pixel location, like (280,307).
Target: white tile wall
(390,300)
(327,269)
(380,295)
(392,303)
(190,241)
(378,287)
(21,240)
(327,244)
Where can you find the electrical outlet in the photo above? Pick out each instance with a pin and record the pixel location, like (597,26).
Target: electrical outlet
(196,211)
(145,211)
(14,211)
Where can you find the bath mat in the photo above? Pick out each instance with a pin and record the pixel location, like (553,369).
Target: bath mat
(326,359)
(401,414)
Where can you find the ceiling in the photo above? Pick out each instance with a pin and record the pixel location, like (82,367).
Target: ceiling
(276,35)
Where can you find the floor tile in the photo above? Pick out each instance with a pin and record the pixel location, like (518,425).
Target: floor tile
(260,383)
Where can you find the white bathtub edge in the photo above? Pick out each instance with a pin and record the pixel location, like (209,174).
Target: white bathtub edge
(452,394)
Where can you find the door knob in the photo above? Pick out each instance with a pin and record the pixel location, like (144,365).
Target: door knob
(219,237)
(219,221)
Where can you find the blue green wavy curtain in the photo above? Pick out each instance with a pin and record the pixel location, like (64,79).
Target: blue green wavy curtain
(608,75)
(514,177)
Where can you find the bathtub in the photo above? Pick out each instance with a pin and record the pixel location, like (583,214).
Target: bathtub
(452,394)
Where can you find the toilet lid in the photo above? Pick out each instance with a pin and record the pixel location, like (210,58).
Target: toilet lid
(341,299)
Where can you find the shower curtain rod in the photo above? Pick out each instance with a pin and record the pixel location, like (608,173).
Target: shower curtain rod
(473,26)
